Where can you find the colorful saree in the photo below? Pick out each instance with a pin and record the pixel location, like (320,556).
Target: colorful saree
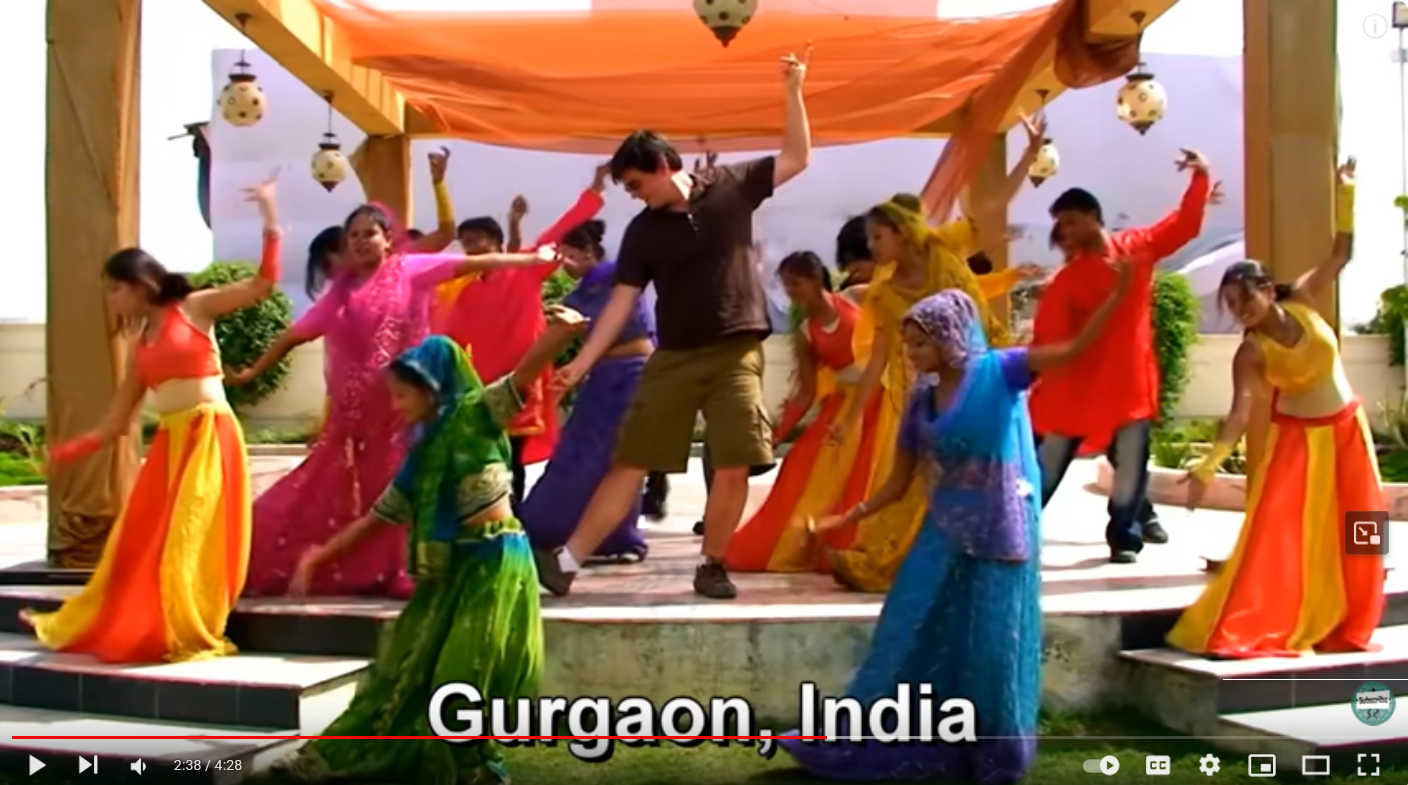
(474,616)
(882,541)
(964,614)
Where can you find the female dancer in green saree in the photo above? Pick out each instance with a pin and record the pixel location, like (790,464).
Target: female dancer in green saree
(474,614)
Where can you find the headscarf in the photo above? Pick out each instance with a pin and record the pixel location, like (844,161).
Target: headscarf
(460,441)
(950,318)
(947,248)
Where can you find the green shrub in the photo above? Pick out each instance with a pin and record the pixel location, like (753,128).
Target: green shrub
(1175,332)
(245,335)
(1390,319)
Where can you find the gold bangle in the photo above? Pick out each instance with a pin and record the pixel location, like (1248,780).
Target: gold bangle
(1206,468)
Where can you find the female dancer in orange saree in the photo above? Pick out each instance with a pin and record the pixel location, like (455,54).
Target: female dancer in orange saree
(175,562)
(1292,585)
(817,477)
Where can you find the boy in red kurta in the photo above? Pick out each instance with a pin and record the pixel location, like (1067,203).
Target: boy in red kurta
(499,317)
(1109,398)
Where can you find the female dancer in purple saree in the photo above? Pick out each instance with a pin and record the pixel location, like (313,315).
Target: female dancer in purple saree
(963,617)
(584,449)
(376,307)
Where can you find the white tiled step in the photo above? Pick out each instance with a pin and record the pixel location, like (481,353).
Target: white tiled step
(1321,727)
(255,690)
(1394,641)
(237,758)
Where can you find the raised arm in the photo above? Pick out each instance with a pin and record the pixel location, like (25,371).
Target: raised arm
(796,152)
(588,204)
(444,233)
(1054,355)
(1152,244)
(1324,274)
(992,233)
(517,211)
(207,305)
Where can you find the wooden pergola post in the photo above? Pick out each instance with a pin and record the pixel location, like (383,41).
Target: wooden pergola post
(1291,139)
(91,176)
(984,195)
(383,165)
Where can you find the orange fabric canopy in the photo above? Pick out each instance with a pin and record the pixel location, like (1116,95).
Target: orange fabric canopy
(580,81)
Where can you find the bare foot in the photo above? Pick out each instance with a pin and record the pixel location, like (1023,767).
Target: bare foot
(27,619)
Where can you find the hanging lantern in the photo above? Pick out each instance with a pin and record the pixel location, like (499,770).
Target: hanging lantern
(329,164)
(725,17)
(241,101)
(1142,101)
(1046,165)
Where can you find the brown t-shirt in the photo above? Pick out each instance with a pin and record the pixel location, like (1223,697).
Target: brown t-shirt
(701,262)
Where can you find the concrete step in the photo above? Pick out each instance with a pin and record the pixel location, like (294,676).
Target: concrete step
(1195,692)
(1329,730)
(230,761)
(332,626)
(254,690)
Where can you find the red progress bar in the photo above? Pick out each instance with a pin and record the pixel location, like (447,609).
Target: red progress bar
(408,738)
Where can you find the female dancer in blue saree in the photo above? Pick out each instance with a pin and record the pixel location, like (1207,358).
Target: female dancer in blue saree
(474,615)
(584,449)
(964,614)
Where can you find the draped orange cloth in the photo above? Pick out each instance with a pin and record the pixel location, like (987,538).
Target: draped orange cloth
(580,81)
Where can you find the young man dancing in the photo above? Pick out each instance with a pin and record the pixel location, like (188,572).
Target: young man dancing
(1109,397)
(694,241)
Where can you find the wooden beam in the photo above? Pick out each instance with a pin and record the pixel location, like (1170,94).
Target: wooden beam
(1105,19)
(91,164)
(314,49)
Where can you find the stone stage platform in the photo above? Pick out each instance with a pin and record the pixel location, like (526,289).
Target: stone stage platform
(633,630)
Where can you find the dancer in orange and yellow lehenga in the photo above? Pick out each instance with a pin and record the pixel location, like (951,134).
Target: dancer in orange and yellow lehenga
(817,477)
(175,563)
(1289,586)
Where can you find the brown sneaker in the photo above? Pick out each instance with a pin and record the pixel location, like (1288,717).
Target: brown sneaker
(550,572)
(711,580)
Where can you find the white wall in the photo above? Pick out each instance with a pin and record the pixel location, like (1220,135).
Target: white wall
(301,400)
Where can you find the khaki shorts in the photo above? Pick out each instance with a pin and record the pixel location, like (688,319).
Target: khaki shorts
(724,382)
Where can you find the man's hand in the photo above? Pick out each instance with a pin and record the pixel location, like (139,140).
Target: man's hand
(794,69)
(1192,159)
(517,208)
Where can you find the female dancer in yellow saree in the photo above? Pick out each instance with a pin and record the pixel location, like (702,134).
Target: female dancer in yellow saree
(1293,584)
(175,562)
(919,260)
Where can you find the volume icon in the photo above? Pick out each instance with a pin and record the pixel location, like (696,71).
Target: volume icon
(137,766)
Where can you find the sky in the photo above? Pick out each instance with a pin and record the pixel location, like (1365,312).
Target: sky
(180,35)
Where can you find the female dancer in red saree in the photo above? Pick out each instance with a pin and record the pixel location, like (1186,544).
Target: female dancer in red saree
(817,477)
(376,308)
(1291,584)
(175,562)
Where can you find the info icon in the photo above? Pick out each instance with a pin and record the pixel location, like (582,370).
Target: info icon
(1366,533)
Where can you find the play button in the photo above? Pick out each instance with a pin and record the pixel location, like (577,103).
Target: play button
(35,765)
(1109,765)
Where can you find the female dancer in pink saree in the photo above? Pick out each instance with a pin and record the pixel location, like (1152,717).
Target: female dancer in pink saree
(376,307)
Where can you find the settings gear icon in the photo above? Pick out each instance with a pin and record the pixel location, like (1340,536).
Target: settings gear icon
(1209,765)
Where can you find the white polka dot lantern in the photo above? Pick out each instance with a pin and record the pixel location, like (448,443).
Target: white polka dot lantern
(1142,101)
(242,102)
(329,165)
(725,17)
(1046,164)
